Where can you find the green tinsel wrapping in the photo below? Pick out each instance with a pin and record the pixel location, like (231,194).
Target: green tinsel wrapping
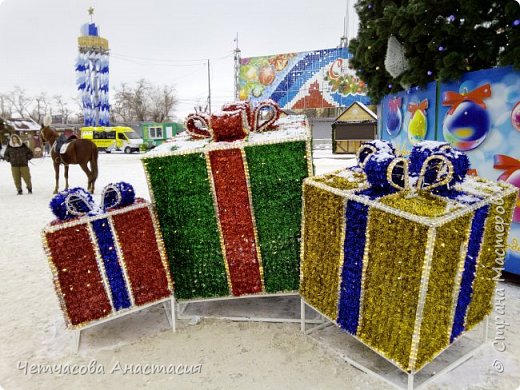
(276,173)
(184,203)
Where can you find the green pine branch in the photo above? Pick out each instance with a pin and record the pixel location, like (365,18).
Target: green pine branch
(442,39)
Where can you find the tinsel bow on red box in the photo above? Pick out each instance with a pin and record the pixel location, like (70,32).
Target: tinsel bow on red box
(234,122)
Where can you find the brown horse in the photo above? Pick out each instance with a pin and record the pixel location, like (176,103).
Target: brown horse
(80,151)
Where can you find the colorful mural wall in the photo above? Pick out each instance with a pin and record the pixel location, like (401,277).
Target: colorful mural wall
(312,79)
(409,117)
(478,114)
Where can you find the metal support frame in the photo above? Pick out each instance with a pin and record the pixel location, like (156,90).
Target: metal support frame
(410,375)
(183,304)
(170,316)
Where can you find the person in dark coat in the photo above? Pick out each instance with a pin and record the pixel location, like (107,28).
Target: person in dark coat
(19,154)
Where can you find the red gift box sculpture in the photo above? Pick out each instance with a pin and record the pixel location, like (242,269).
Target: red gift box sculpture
(105,260)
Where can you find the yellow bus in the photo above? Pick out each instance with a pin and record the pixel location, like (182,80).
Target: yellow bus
(115,138)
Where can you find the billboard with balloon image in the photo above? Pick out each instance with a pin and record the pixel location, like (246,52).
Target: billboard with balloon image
(304,80)
(408,117)
(480,114)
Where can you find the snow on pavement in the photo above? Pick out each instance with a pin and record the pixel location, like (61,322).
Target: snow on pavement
(233,355)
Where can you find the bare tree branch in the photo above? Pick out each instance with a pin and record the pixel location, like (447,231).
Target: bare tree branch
(144,102)
(19,101)
(163,101)
(62,108)
(6,108)
(121,109)
(40,107)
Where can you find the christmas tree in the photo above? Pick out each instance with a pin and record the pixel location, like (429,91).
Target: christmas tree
(422,41)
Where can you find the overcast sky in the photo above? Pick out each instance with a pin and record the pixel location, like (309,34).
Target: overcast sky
(164,41)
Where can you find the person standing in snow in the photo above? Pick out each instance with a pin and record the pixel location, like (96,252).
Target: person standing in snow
(18,154)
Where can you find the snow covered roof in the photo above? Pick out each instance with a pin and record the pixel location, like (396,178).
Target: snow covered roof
(363,107)
(23,124)
(368,110)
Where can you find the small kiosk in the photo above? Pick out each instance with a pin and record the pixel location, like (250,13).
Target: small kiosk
(155,134)
(26,128)
(356,124)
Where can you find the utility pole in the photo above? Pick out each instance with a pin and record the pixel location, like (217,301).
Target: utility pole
(237,70)
(209,89)
(344,38)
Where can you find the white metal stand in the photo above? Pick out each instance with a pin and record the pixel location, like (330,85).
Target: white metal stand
(410,375)
(169,315)
(183,304)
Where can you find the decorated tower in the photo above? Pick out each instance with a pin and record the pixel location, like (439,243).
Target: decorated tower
(92,74)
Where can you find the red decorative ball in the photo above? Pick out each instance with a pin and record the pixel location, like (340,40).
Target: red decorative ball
(267,75)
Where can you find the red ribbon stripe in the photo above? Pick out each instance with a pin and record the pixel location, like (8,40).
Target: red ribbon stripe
(236,220)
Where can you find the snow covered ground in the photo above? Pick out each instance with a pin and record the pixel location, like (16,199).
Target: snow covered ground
(233,355)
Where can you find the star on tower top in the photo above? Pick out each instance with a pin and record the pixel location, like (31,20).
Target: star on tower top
(91,12)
